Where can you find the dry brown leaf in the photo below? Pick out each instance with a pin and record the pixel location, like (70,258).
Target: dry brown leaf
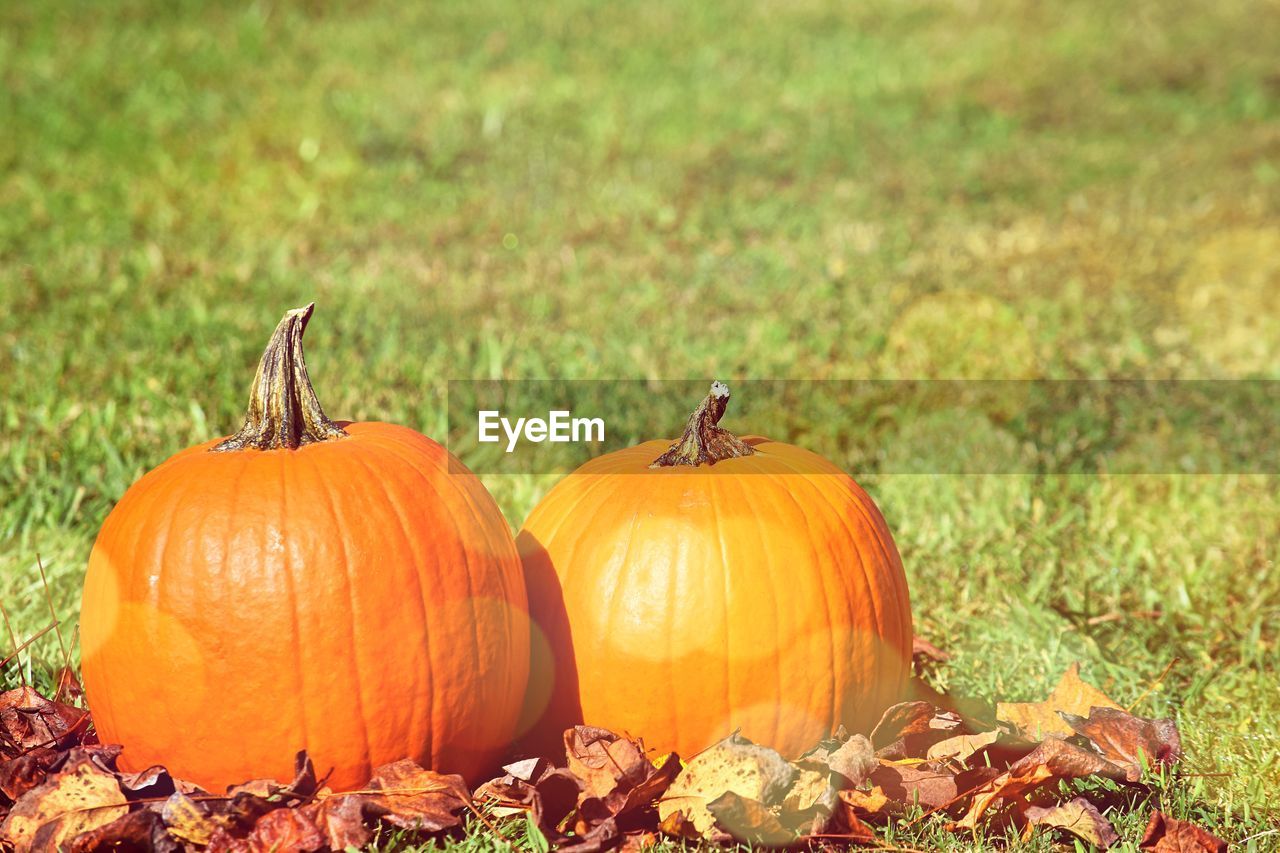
(873,803)
(749,820)
(285,829)
(26,772)
(142,831)
(1165,834)
(961,747)
(923,650)
(736,765)
(1127,740)
(341,819)
(592,839)
(906,785)
(255,788)
(908,729)
(410,797)
(29,720)
(68,688)
(677,825)
(79,798)
(1052,760)
(856,831)
(635,842)
(661,774)
(811,802)
(853,761)
(153,782)
(1078,817)
(603,760)
(1039,720)
(619,782)
(811,788)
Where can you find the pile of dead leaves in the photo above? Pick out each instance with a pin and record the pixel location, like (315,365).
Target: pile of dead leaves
(60,789)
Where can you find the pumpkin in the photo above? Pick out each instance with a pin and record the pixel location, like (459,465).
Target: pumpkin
(681,593)
(345,588)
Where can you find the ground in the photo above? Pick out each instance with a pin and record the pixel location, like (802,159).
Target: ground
(658,190)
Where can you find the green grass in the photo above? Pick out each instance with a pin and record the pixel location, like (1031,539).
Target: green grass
(780,190)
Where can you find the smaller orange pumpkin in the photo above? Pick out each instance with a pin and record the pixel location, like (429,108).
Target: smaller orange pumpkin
(717,584)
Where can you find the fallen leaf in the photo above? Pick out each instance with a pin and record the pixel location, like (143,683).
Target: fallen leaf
(599,837)
(285,829)
(1125,739)
(187,821)
(873,803)
(749,820)
(635,842)
(736,765)
(810,789)
(603,760)
(677,825)
(1040,719)
(809,804)
(905,786)
(857,831)
(410,797)
(923,650)
(527,770)
(908,729)
(68,685)
(79,798)
(549,800)
(661,774)
(341,819)
(961,747)
(29,720)
(1078,817)
(146,784)
(1052,760)
(142,831)
(1165,834)
(256,788)
(850,758)
(554,798)
(618,779)
(26,772)
(102,756)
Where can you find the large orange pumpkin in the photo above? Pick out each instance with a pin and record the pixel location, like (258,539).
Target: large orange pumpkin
(730,584)
(348,589)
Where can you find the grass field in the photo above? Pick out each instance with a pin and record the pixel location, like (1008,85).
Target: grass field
(660,190)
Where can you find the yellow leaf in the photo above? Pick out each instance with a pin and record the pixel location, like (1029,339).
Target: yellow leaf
(734,765)
(1040,719)
(961,747)
(186,821)
(80,798)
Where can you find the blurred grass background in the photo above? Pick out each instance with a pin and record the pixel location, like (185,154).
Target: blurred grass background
(777,190)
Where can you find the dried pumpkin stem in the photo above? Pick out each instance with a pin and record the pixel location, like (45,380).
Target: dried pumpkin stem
(704,440)
(283,409)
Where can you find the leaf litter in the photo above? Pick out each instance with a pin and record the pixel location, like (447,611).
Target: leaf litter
(61,789)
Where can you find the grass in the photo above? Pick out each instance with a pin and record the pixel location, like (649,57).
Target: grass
(792,191)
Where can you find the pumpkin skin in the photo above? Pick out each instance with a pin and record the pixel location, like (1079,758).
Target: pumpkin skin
(761,593)
(359,598)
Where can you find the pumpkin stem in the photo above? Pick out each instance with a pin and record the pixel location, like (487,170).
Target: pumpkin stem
(703,439)
(283,409)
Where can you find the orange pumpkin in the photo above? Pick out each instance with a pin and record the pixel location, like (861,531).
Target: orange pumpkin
(723,584)
(345,588)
